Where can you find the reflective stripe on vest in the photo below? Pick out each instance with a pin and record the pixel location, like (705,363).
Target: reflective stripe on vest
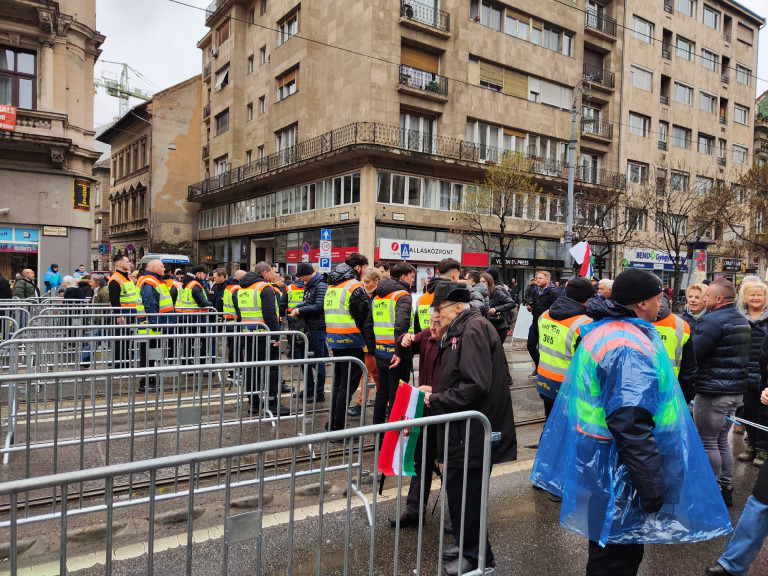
(340,326)
(295,296)
(228,302)
(384,322)
(164,305)
(674,333)
(557,344)
(422,309)
(185,303)
(128,295)
(249,303)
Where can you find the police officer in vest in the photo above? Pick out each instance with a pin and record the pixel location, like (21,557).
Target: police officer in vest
(391,313)
(311,308)
(124,298)
(295,294)
(155,301)
(257,305)
(192,304)
(349,331)
(448,270)
(229,308)
(676,337)
(559,335)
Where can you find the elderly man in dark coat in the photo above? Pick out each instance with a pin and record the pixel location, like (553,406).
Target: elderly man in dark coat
(473,375)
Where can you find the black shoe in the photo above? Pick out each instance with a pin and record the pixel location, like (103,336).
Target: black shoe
(727,497)
(462,565)
(300,396)
(320,398)
(451,553)
(279,409)
(406,520)
(355,411)
(285,389)
(448,527)
(148,387)
(717,570)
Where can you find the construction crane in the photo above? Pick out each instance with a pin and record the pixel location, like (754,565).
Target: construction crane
(120,87)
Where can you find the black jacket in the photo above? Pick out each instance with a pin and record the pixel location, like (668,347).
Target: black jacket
(311,309)
(473,375)
(692,322)
(543,300)
(722,341)
(564,308)
(359,303)
(758,330)
(5,289)
(268,307)
(688,365)
(632,426)
(198,294)
(431,285)
(217,293)
(403,309)
(501,301)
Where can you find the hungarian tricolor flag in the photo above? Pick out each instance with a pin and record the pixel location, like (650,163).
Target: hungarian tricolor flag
(399,446)
(583,255)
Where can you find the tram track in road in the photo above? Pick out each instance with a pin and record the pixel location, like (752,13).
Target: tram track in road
(43,502)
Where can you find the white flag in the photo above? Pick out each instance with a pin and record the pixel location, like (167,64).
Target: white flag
(578,251)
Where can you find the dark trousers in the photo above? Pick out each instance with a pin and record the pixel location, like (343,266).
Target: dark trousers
(260,349)
(346,379)
(614,559)
(533,342)
(548,404)
(144,360)
(122,347)
(454,487)
(389,378)
(502,333)
(319,350)
(757,412)
(414,502)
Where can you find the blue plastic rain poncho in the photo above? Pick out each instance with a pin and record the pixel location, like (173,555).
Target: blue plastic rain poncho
(621,367)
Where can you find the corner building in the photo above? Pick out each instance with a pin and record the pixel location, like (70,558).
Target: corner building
(374,118)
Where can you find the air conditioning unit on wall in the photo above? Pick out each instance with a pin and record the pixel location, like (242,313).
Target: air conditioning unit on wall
(215,52)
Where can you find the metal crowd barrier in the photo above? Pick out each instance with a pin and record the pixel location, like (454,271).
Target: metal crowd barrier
(226,518)
(8,326)
(96,314)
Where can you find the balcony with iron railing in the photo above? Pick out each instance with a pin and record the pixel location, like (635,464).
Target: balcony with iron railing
(666,51)
(600,23)
(724,78)
(214,8)
(664,99)
(419,15)
(723,118)
(662,145)
(668,7)
(423,83)
(207,71)
(598,129)
(721,161)
(206,152)
(206,111)
(599,76)
(367,135)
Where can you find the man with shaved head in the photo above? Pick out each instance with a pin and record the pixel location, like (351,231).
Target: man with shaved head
(25,286)
(155,308)
(721,340)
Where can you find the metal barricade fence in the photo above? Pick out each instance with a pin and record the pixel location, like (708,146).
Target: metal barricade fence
(8,326)
(90,314)
(72,420)
(228,519)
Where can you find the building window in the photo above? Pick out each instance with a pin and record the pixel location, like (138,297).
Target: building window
(260,152)
(417,132)
(642,30)
(637,173)
(683,94)
(518,26)
(663,131)
(707,102)
(249,111)
(249,157)
(703,185)
(710,60)
(685,49)
(641,78)
(250,63)
(491,15)
(286,138)
(679,181)
(741,114)
(722,145)
(222,33)
(287,84)
(252,16)
(222,122)
(262,104)
(221,165)
(637,219)
(743,74)
(18,78)
(739,154)
(706,144)
(687,7)
(745,34)
(222,78)
(639,125)
(288,27)
(711,17)
(263,7)
(263,58)
(681,137)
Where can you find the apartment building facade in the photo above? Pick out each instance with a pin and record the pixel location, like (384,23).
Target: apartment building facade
(152,147)
(374,119)
(47,53)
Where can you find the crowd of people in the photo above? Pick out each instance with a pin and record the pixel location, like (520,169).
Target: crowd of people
(639,401)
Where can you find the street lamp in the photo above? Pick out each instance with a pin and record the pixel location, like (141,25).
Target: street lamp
(586,81)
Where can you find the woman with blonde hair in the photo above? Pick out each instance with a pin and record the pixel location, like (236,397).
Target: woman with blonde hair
(694,307)
(753,303)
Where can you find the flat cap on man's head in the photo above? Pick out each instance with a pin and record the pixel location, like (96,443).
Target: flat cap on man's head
(450,292)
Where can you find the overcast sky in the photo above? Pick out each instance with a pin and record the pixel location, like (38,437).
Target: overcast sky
(158,38)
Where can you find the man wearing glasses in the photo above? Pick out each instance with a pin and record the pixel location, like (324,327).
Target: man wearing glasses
(473,375)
